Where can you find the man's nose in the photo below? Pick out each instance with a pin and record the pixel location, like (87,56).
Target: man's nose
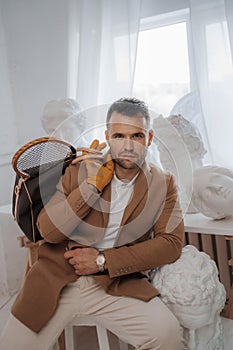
(128,144)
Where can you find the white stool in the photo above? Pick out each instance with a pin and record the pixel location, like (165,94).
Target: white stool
(89,321)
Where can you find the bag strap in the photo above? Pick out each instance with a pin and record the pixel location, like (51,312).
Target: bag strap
(22,182)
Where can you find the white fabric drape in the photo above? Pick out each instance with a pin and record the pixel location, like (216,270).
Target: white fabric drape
(212,49)
(8,133)
(104,46)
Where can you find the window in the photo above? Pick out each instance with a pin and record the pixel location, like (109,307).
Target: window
(162,74)
(218,51)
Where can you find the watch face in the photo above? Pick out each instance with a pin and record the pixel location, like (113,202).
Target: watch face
(100,259)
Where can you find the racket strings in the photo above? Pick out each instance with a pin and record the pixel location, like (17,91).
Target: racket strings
(42,156)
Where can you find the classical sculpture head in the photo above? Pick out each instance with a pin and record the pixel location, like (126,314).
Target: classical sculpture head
(191,289)
(173,129)
(64,119)
(213,191)
(181,150)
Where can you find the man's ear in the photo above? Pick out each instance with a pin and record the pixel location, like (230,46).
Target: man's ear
(106,136)
(150,138)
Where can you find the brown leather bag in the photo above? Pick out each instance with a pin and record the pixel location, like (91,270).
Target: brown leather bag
(39,165)
(29,197)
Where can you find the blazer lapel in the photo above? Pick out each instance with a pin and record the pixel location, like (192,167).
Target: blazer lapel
(104,203)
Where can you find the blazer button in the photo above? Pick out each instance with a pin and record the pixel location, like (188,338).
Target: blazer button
(79,202)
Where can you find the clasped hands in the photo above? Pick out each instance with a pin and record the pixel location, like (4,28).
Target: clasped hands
(99,170)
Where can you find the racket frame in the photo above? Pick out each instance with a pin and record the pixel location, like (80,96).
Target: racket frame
(32,143)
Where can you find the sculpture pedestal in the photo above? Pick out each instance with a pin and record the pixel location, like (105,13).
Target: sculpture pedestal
(12,257)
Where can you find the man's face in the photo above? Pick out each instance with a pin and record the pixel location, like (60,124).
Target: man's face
(215,194)
(128,139)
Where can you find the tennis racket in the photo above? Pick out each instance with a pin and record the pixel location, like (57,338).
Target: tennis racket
(41,154)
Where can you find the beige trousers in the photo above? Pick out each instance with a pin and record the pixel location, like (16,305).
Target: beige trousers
(145,325)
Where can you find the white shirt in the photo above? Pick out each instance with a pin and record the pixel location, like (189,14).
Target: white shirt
(121,193)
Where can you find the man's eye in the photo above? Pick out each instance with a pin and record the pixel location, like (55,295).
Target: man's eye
(138,136)
(117,136)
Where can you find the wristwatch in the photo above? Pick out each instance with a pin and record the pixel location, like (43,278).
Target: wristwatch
(100,261)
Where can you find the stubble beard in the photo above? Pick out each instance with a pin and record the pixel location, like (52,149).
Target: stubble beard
(125,164)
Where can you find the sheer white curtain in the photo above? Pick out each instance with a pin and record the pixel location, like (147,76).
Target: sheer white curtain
(102,53)
(212,32)
(104,43)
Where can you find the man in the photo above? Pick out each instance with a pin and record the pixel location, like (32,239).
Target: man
(112,219)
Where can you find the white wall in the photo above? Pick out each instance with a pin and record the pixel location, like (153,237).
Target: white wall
(33,70)
(35,43)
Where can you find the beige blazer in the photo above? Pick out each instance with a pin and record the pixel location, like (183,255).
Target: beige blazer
(150,235)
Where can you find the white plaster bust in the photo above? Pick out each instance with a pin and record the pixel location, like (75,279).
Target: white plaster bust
(191,289)
(213,191)
(181,150)
(64,119)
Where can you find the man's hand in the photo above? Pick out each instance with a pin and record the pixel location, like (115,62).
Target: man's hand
(94,151)
(99,170)
(99,174)
(83,260)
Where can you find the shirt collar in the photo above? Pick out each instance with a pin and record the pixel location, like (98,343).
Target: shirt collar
(121,183)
